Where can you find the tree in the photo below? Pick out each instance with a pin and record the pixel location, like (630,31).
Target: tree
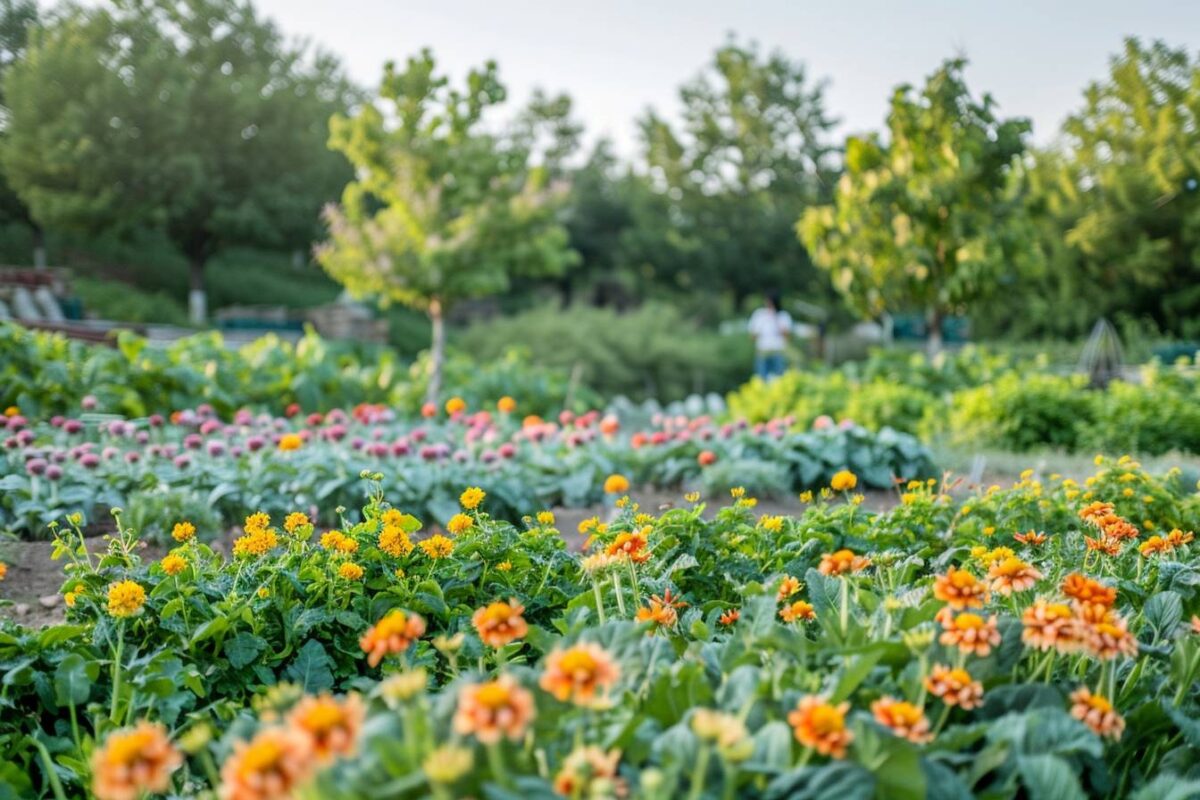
(442,209)
(1125,186)
(752,153)
(193,116)
(933,217)
(17,17)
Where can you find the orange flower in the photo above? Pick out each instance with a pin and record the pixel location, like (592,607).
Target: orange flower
(134,761)
(268,767)
(455,405)
(1032,538)
(1095,511)
(733,615)
(506,405)
(821,725)
(500,623)
(1049,625)
(787,587)
(1155,545)
(183,531)
(799,610)
(959,589)
(1178,538)
(955,687)
(903,719)
(842,562)
(1105,633)
(1103,544)
(579,673)
(661,610)
(632,545)
(391,635)
(843,481)
(969,632)
(1196,624)
(493,709)
(1117,528)
(616,484)
(1012,575)
(333,727)
(1085,590)
(587,764)
(173,564)
(1097,713)
(395,541)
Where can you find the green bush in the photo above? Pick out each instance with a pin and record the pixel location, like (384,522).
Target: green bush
(1021,412)
(802,395)
(121,301)
(1149,419)
(653,352)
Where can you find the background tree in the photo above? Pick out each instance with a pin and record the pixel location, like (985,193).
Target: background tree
(751,154)
(1125,188)
(442,209)
(192,116)
(933,217)
(17,18)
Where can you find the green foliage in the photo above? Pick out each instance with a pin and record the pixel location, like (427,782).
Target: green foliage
(752,154)
(211,128)
(115,300)
(931,215)
(1021,412)
(651,352)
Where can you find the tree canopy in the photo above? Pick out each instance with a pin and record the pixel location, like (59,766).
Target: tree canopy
(932,217)
(195,117)
(443,208)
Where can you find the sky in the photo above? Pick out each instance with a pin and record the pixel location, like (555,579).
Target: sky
(619,57)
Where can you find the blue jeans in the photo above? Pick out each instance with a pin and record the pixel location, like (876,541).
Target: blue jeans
(769,365)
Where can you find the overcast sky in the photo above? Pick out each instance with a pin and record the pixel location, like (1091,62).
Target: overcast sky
(618,57)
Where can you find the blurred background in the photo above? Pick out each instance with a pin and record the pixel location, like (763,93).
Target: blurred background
(607,194)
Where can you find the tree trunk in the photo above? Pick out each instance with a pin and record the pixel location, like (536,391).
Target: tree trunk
(437,351)
(197,299)
(933,341)
(39,247)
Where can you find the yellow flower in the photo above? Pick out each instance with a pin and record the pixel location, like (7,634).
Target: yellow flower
(692,497)
(545,518)
(506,405)
(843,481)
(806,496)
(770,523)
(183,531)
(263,592)
(290,441)
(350,571)
(395,542)
(257,522)
(616,484)
(173,564)
(447,764)
(437,546)
(472,497)
(125,598)
(330,539)
(255,544)
(459,523)
(504,566)
(588,525)
(737,492)
(295,520)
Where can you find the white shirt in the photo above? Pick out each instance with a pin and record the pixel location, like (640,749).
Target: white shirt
(768,328)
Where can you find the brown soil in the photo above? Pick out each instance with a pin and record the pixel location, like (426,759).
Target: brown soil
(31,592)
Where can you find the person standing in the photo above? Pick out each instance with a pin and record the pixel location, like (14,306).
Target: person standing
(770,326)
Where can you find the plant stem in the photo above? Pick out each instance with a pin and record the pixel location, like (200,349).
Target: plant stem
(116,681)
(698,774)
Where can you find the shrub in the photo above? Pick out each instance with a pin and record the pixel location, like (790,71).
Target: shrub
(1023,412)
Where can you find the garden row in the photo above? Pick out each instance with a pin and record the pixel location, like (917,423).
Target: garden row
(197,466)
(978,399)
(1034,641)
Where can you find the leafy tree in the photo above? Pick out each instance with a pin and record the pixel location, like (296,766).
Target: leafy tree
(1124,189)
(193,116)
(751,154)
(17,17)
(933,217)
(442,209)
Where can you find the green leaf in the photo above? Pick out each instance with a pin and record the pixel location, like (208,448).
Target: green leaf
(838,779)
(1163,613)
(210,629)
(244,648)
(1049,776)
(1168,787)
(312,668)
(71,683)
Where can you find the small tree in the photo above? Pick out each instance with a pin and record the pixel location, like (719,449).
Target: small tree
(442,209)
(933,217)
